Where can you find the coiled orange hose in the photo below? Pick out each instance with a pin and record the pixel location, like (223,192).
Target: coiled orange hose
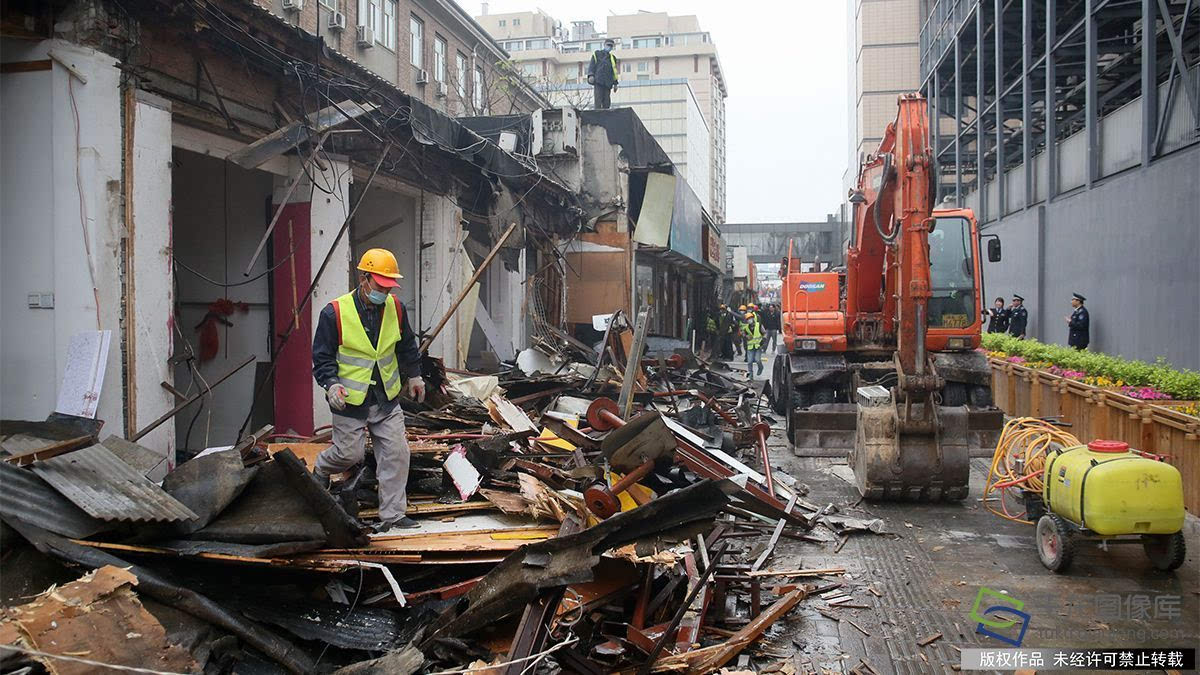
(1019,462)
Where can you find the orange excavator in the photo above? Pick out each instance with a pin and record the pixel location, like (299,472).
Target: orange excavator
(884,349)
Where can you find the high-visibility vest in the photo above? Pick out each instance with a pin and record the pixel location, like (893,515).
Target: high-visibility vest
(753,334)
(612,58)
(357,358)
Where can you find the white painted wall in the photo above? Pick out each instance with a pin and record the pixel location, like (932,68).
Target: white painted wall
(48,174)
(328,213)
(151,315)
(441,272)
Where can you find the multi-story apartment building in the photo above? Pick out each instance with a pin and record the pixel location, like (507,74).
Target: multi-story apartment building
(656,53)
(1070,129)
(883,36)
(430,49)
(230,161)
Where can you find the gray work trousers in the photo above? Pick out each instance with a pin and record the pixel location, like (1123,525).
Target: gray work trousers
(391,455)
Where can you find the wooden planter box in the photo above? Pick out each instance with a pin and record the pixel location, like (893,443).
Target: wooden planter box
(1101,413)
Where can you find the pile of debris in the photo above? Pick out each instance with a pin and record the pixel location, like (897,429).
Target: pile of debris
(579,511)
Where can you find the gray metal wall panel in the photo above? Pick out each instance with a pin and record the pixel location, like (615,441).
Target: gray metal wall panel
(1130,245)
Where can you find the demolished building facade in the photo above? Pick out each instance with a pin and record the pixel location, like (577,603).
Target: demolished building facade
(198,178)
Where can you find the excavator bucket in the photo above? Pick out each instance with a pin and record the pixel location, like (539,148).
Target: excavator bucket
(917,461)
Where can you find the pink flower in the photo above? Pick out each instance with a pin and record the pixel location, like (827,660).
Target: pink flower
(1016,359)
(1145,393)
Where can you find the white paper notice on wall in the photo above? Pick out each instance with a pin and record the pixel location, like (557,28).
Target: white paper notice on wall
(87,357)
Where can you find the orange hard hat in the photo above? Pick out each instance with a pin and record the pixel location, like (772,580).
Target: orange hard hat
(381,264)
(749,315)
(742,308)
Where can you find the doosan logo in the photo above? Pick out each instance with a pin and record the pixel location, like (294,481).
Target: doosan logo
(812,286)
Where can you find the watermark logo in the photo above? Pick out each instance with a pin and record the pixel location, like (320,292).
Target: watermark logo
(991,611)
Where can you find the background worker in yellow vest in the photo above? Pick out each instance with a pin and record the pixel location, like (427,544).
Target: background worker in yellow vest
(752,332)
(364,354)
(602,75)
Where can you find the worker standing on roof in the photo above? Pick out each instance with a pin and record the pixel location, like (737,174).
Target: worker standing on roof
(1018,317)
(364,355)
(602,75)
(752,330)
(1079,323)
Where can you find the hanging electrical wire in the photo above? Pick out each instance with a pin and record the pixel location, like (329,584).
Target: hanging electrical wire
(1019,462)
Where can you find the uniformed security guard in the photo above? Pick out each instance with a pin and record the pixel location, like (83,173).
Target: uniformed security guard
(998,317)
(364,354)
(1018,317)
(1079,323)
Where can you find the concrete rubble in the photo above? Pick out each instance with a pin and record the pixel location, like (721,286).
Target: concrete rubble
(599,513)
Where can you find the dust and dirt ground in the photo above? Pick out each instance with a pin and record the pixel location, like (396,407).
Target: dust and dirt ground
(928,573)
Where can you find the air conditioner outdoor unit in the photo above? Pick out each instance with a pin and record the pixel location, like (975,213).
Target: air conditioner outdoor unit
(366,37)
(337,21)
(293,5)
(422,76)
(442,90)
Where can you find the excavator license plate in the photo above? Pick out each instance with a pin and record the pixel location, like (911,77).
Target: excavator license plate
(955,320)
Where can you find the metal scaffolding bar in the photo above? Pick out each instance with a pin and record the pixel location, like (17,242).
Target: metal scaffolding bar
(958,116)
(1149,80)
(998,23)
(1051,104)
(1091,122)
(980,171)
(935,101)
(1026,100)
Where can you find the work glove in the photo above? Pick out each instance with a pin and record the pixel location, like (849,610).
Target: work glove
(415,389)
(336,395)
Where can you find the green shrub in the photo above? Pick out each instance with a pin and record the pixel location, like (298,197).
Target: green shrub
(1179,384)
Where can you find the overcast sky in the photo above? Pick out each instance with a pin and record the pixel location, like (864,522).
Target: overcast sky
(785,67)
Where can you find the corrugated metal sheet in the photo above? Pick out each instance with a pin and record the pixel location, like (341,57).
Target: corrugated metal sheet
(30,499)
(98,482)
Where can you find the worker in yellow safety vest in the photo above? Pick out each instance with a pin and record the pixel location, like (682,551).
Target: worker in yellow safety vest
(365,355)
(752,332)
(602,75)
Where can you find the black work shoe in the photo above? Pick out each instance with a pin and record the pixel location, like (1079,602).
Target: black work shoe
(403,523)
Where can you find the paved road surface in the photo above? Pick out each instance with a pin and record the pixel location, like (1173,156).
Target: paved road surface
(929,572)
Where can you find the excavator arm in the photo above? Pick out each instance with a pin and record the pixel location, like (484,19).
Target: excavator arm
(907,445)
(888,277)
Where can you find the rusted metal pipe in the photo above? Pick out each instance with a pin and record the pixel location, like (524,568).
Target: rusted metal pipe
(762,430)
(602,415)
(604,501)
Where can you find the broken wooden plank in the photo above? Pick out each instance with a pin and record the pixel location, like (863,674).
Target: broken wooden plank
(779,525)
(50,449)
(860,628)
(749,633)
(817,572)
(291,135)
(98,617)
(929,639)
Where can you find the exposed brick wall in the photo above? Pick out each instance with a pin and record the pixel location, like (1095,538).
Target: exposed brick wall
(396,66)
